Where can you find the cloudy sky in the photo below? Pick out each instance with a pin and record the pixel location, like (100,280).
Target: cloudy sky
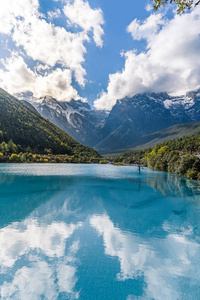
(97,50)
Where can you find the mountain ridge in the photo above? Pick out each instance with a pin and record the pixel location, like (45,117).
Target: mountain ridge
(75,117)
(26,127)
(129,121)
(149,113)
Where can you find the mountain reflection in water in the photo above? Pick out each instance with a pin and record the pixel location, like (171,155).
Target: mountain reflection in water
(98,232)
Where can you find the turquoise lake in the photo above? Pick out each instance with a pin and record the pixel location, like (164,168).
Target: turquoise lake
(70,231)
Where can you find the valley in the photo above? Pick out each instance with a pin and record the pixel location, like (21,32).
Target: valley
(136,122)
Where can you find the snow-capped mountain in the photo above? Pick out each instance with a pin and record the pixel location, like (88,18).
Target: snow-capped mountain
(75,117)
(136,117)
(128,121)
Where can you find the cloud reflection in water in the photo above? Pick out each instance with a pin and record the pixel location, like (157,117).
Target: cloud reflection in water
(164,263)
(48,271)
(111,234)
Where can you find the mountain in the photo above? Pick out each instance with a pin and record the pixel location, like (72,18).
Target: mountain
(134,118)
(26,127)
(29,105)
(172,133)
(76,118)
(129,121)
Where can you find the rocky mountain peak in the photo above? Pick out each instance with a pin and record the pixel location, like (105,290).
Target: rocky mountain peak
(129,120)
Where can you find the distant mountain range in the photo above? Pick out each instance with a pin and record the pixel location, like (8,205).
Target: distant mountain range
(26,127)
(130,123)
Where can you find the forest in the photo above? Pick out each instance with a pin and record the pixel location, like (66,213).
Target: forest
(22,128)
(176,156)
(12,153)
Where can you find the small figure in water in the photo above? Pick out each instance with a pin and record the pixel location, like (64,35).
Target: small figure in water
(139,168)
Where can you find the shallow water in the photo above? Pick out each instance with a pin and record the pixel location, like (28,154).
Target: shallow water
(98,232)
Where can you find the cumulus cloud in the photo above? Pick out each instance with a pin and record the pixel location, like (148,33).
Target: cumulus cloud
(11,11)
(145,30)
(54,14)
(80,13)
(49,47)
(17,76)
(149,7)
(49,44)
(170,62)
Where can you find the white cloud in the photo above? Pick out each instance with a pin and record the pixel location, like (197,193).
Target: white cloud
(149,7)
(170,63)
(146,29)
(54,14)
(80,13)
(51,47)
(18,77)
(11,10)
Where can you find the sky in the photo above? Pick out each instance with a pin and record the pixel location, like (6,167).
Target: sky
(97,50)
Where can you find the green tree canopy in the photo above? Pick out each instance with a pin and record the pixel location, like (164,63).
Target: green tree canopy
(182,5)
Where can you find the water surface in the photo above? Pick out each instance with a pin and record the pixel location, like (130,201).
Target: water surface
(98,232)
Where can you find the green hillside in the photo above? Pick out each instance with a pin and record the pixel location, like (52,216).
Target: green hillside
(179,156)
(25,127)
(171,133)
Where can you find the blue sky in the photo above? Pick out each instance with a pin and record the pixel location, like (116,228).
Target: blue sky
(101,62)
(71,49)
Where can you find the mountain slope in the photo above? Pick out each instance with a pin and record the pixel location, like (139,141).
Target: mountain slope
(75,117)
(172,133)
(145,114)
(29,105)
(127,124)
(27,128)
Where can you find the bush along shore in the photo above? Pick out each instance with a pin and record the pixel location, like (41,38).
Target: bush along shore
(180,156)
(12,153)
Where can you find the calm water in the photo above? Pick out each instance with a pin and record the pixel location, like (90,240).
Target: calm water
(98,232)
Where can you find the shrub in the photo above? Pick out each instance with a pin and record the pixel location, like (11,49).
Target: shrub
(30,156)
(22,157)
(14,158)
(192,174)
(1,156)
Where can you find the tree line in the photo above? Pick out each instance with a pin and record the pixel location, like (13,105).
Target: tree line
(10,152)
(176,156)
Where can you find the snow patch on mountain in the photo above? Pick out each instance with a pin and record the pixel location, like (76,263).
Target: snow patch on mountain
(129,120)
(185,102)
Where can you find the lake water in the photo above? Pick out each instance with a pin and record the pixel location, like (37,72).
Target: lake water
(92,232)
